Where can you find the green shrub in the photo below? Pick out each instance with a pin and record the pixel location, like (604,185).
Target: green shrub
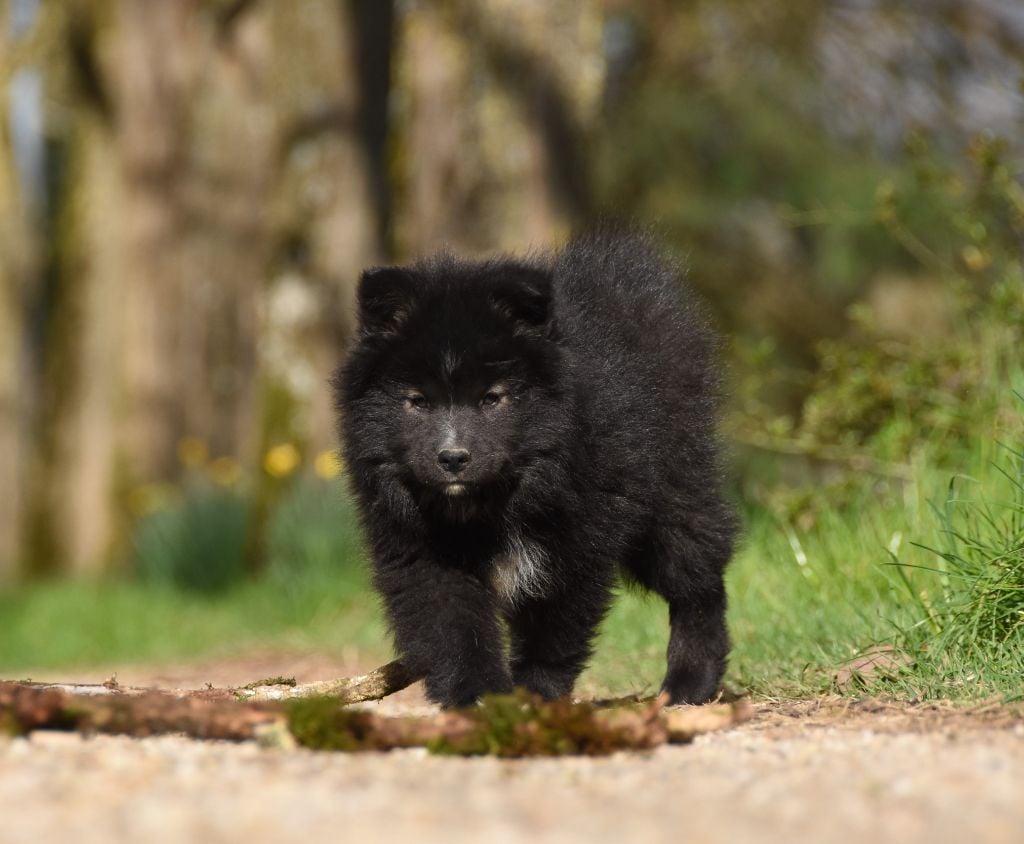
(889,395)
(313,534)
(198,544)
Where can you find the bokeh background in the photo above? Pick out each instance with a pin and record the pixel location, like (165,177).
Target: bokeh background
(189,188)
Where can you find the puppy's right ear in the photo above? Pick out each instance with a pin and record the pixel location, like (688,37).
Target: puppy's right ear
(386,297)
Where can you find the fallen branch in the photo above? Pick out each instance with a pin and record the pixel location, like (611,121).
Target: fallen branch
(503,725)
(376,685)
(27,707)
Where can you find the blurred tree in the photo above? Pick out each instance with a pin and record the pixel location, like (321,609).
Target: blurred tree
(178,282)
(496,100)
(329,212)
(757,134)
(210,153)
(15,257)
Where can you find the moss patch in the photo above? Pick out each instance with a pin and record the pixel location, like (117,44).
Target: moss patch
(508,726)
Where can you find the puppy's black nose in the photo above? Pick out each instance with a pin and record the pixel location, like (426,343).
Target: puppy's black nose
(453,460)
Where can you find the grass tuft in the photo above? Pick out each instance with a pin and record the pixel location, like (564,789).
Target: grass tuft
(969,634)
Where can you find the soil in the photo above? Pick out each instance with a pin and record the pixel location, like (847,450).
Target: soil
(832,769)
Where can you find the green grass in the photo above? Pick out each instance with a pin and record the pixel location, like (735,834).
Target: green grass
(806,601)
(801,603)
(803,600)
(791,622)
(968,637)
(63,624)
(314,593)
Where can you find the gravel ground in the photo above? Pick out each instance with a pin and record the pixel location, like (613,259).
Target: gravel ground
(816,771)
(786,784)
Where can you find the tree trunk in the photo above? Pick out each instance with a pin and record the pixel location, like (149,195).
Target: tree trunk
(221,142)
(15,257)
(327,209)
(227,174)
(113,407)
(497,100)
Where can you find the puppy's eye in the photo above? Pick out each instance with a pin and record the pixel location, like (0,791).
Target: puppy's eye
(491,398)
(417,401)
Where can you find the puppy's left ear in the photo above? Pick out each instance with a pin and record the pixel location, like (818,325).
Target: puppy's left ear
(386,296)
(523,295)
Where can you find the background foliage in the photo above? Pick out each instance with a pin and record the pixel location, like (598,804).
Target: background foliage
(188,189)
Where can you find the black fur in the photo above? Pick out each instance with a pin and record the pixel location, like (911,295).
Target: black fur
(516,433)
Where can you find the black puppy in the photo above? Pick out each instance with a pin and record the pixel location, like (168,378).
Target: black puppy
(517,432)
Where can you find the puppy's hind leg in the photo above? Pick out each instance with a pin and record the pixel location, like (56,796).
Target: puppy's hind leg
(686,568)
(698,647)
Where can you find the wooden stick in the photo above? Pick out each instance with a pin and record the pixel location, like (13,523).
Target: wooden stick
(508,725)
(378,684)
(374,685)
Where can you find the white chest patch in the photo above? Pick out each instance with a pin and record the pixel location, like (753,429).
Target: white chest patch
(521,572)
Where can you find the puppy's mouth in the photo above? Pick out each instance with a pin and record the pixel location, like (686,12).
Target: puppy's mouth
(455,489)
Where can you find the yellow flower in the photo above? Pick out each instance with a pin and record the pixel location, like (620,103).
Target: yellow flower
(192,452)
(225,471)
(281,460)
(974,258)
(328,464)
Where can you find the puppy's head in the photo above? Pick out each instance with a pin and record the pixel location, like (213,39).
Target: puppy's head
(449,387)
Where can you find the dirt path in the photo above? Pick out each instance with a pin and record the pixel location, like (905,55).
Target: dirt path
(815,771)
